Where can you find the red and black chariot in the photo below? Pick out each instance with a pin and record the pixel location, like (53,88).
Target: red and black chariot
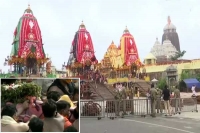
(27,55)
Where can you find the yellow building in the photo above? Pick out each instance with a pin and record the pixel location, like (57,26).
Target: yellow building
(156,70)
(113,54)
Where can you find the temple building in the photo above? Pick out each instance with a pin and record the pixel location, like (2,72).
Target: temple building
(163,52)
(171,34)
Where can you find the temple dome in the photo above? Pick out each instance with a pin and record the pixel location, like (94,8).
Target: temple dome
(112,46)
(157,42)
(167,42)
(169,25)
(169,48)
(157,49)
(170,32)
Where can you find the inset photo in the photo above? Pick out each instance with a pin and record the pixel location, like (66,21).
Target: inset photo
(40,105)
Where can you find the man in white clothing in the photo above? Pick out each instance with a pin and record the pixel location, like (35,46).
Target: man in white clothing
(193,90)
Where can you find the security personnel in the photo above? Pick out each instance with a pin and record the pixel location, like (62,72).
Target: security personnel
(153,98)
(159,103)
(177,97)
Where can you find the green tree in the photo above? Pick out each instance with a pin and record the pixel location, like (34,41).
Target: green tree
(185,75)
(161,83)
(198,77)
(178,55)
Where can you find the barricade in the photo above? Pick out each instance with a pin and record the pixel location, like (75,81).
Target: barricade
(133,107)
(178,105)
(92,109)
(112,108)
(136,107)
(126,108)
(184,105)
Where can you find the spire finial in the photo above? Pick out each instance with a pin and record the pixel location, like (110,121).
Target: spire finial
(82,26)
(156,38)
(28,10)
(112,42)
(168,19)
(126,30)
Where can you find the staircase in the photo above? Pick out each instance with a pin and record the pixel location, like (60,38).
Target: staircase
(103,90)
(143,86)
(106,90)
(98,96)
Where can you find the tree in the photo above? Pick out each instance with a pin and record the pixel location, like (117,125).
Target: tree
(161,83)
(185,75)
(198,77)
(178,55)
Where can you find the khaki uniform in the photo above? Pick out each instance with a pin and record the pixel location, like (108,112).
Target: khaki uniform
(159,103)
(131,97)
(124,96)
(153,97)
(177,97)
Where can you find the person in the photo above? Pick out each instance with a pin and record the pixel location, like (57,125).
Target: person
(53,95)
(177,97)
(63,108)
(63,86)
(166,97)
(36,125)
(153,98)
(8,120)
(136,91)
(76,116)
(148,93)
(193,91)
(70,129)
(76,94)
(158,103)
(67,99)
(53,121)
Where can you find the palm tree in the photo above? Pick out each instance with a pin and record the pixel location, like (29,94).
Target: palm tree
(178,55)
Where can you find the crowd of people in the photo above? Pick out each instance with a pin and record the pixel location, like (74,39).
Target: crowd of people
(95,75)
(60,111)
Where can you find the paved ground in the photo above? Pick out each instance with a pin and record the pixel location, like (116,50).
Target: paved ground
(141,125)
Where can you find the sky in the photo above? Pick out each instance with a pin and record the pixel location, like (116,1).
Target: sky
(105,20)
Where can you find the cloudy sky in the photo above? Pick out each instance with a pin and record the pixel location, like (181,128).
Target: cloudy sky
(105,20)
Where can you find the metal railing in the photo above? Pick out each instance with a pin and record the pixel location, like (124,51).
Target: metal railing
(133,107)
(92,108)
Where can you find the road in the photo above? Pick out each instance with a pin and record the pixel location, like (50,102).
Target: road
(140,125)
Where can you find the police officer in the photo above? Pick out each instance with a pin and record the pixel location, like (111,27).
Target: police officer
(153,98)
(177,99)
(158,103)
